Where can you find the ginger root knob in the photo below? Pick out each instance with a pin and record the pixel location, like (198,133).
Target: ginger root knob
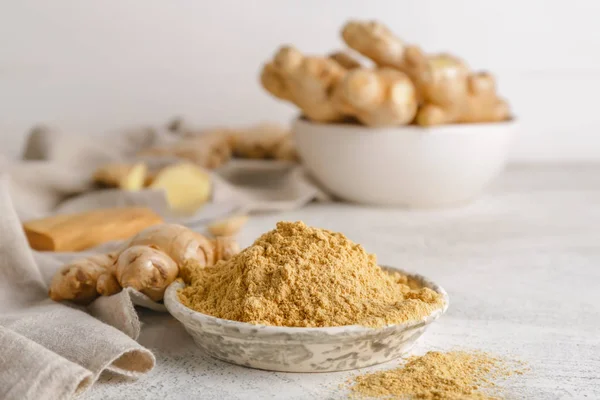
(379,97)
(149,263)
(77,281)
(177,241)
(107,284)
(147,270)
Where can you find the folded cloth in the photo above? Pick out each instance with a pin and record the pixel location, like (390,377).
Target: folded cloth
(51,350)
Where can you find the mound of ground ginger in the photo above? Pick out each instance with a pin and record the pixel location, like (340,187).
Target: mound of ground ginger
(300,276)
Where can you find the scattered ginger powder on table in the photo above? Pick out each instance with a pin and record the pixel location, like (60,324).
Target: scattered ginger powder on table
(300,276)
(454,375)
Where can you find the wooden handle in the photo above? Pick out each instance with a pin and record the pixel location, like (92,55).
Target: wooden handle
(75,232)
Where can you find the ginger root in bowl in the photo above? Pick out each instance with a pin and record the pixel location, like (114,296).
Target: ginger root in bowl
(377,97)
(306,81)
(406,86)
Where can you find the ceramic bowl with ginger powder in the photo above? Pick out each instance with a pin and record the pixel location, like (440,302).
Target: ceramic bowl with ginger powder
(288,349)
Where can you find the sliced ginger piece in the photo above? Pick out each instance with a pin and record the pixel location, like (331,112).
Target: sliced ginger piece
(123,176)
(188,186)
(228,226)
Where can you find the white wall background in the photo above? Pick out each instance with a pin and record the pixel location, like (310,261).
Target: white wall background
(94,66)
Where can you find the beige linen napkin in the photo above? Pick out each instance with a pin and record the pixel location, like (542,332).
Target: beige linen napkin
(54,177)
(50,350)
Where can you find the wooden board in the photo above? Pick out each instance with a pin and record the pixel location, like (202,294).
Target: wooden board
(75,232)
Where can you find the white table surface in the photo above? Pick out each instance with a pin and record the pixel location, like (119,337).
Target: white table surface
(521,266)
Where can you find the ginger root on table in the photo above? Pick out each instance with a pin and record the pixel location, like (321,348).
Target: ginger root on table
(209,150)
(379,97)
(447,90)
(76,281)
(108,284)
(264,141)
(122,175)
(149,262)
(178,242)
(146,269)
(306,81)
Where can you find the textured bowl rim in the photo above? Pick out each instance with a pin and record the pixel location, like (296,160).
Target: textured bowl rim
(462,128)
(175,307)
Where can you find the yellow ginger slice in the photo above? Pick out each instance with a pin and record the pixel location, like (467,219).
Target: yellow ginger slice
(187,186)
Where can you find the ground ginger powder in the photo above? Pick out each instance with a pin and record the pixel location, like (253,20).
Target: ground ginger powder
(455,375)
(300,276)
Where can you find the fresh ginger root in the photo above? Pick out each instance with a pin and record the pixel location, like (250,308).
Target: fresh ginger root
(77,280)
(148,263)
(108,284)
(187,186)
(377,42)
(145,264)
(480,104)
(345,60)
(451,93)
(447,90)
(147,270)
(208,150)
(377,97)
(178,242)
(123,176)
(154,258)
(263,141)
(304,81)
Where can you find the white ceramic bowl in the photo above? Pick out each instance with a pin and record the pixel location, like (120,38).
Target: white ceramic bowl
(299,349)
(406,166)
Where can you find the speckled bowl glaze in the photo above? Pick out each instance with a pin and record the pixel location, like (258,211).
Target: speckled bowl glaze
(287,349)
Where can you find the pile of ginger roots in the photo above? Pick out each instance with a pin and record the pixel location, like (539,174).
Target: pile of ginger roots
(148,263)
(405,86)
